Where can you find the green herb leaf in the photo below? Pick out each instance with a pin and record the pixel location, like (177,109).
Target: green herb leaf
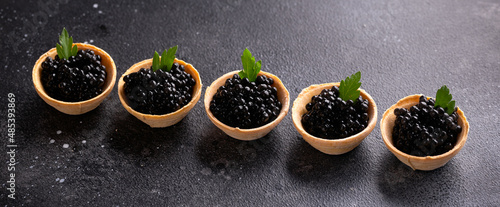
(250,68)
(167,59)
(163,60)
(66,49)
(156,62)
(348,89)
(443,99)
(74,51)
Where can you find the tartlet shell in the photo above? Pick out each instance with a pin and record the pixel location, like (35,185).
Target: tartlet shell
(165,120)
(81,107)
(415,162)
(331,146)
(254,133)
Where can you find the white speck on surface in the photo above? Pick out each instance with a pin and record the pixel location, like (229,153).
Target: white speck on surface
(81,122)
(100,12)
(57,179)
(58,132)
(36,157)
(95,6)
(61,180)
(91,41)
(52,141)
(206,171)
(25,35)
(84,141)
(31,166)
(102,146)
(65,145)
(86,42)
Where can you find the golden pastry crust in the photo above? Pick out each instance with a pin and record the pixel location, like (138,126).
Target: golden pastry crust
(415,162)
(254,133)
(165,120)
(81,107)
(331,146)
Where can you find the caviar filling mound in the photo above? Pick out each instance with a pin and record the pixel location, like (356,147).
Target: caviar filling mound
(77,78)
(245,104)
(159,92)
(425,130)
(329,116)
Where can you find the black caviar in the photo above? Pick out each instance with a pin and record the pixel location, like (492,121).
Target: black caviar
(330,117)
(244,104)
(425,130)
(79,78)
(159,92)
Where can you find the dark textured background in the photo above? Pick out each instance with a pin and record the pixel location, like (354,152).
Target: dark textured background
(400,47)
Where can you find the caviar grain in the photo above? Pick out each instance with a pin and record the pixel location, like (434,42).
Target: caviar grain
(78,78)
(159,92)
(330,117)
(244,104)
(425,130)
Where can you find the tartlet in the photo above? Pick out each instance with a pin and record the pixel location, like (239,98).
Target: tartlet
(416,162)
(81,107)
(254,133)
(165,120)
(331,146)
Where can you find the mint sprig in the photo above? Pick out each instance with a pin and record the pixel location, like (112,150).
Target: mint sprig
(250,67)
(167,60)
(66,49)
(348,89)
(443,99)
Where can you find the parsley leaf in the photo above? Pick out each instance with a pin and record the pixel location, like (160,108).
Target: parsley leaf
(156,62)
(348,89)
(167,59)
(250,67)
(66,49)
(443,99)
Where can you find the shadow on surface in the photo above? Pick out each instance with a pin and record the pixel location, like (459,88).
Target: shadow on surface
(305,163)
(50,121)
(132,137)
(221,153)
(402,185)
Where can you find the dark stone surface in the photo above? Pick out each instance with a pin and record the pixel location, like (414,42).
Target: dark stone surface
(401,48)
